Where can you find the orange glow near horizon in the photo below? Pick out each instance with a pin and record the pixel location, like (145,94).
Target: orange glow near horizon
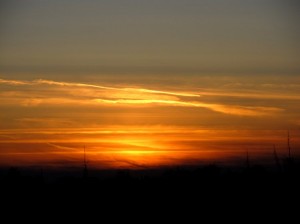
(134,147)
(146,84)
(48,123)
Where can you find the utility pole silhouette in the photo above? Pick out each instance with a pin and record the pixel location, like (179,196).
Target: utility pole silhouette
(247,160)
(85,170)
(289,163)
(277,161)
(288,144)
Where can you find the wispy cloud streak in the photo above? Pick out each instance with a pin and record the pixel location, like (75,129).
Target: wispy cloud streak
(70,84)
(122,96)
(234,110)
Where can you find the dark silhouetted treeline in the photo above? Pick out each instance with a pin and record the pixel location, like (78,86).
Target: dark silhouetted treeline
(202,192)
(182,178)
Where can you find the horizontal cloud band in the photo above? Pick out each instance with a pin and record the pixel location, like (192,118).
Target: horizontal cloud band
(67,93)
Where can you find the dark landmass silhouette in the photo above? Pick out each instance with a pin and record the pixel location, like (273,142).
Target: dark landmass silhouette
(192,179)
(206,191)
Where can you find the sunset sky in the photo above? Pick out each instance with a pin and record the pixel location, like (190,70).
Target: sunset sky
(148,83)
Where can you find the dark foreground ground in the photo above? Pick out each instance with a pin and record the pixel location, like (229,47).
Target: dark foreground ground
(197,180)
(210,188)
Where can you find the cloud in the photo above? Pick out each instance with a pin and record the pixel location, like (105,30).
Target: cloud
(70,84)
(245,111)
(96,95)
(233,110)
(7,137)
(62,147)
(49,82)
(250,95)
(14,82)
(130,163)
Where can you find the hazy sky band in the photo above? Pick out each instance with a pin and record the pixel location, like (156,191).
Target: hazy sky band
(139,36)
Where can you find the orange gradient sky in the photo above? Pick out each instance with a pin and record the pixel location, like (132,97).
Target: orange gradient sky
(148,83)
(48,122)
